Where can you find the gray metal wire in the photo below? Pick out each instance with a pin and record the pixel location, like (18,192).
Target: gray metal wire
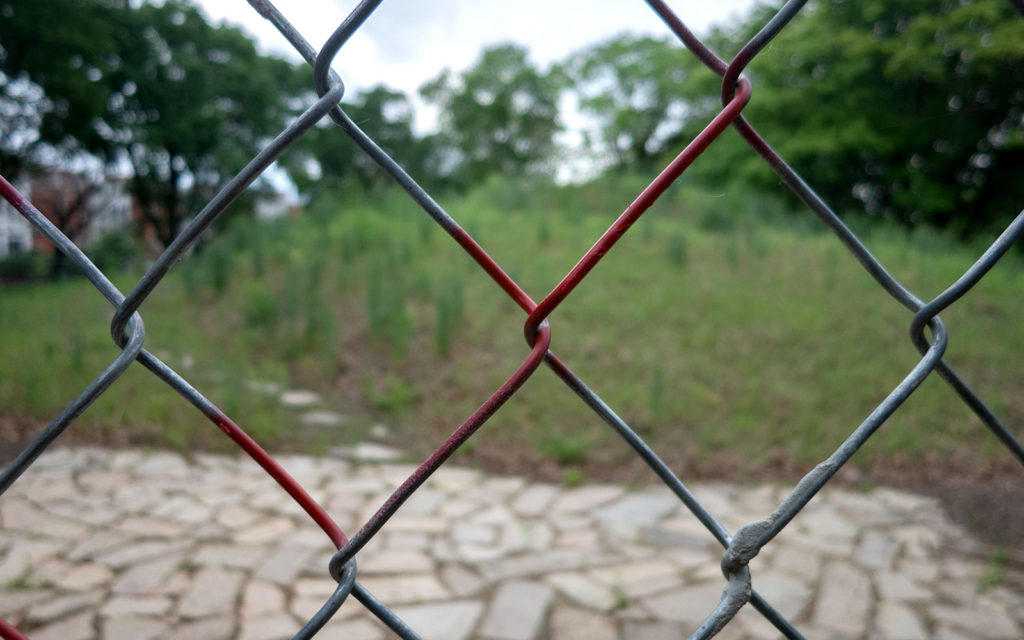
(128,331)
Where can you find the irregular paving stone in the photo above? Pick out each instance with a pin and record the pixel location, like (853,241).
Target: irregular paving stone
(824,529)
(586,498)
(533,500)
(753,626)
(268,627)
(690,605)
(353,630)
(321,419)
(570,522)
(688,559)
(266,531)
(396,561)
(284,564)
(424,502)
(182,509)
(717,498)
(406,588)
(475,553)
(21,516)
(917,541)
(897,622)
(460,580)
(653,631)
(369,452)
(844,599)
(298,398)
(580,538)
(865,508)
(638,578)
(89,510)
(261,598)
(570,623)
(117,628)
(84,577)
(583,590)
(639,509)
(132,554)
(60,607)
(876,550)
(521,536)
(19,600)
(983,624)
(263,387)
(496,514)
(315,587)
(22,556)
(685,531)
(150,528)
(212,591)
(141,606)
(175,585)
(798,561)
(418,524)
(161,464)
(786,594)
(535,563)
(503,485)
(897,586)
(77,627)
(216,628)
(229,555)
(905,502)
(236,516)
(473,533)
(46,573)
(452,620)
(516,611)
(96,545)
(454,479)
(148,576)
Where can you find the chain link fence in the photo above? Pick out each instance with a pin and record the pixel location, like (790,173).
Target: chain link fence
(128,330)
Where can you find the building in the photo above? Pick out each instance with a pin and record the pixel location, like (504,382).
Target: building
(15,231)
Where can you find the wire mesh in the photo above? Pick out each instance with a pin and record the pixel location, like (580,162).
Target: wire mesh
(128,330)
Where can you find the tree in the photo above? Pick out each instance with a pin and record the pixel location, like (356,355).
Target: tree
(192,104)
(910,109)
(637,89)
(499,116)
(51,57)
(387,117)
(156,88)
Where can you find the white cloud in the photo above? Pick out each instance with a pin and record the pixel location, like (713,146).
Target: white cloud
(407,42)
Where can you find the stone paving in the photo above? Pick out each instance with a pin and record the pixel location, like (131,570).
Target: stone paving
(98,544)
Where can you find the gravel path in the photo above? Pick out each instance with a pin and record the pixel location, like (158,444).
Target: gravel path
(98,544)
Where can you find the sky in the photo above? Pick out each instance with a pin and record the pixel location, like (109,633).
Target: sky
(405,43)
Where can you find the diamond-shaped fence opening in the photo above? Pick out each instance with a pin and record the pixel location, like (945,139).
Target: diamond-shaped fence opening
(741,546)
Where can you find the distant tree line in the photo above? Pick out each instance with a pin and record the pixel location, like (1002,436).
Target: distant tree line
(908,109)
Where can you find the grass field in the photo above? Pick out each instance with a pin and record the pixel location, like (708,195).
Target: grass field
(731,334)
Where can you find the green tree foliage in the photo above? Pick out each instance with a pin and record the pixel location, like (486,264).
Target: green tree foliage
(386,116)
(157,88)
(910,109)
(52,55)
(499,116)
(636,88)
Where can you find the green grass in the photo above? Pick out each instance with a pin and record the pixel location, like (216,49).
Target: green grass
(712,335)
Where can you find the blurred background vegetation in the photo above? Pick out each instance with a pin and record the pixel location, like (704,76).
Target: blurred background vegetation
(727,327)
